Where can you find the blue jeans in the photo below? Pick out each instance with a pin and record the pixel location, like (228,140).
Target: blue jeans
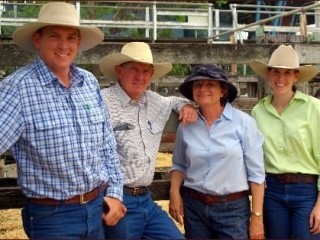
(144,219)
(224,220)
(65,221)
(287,209)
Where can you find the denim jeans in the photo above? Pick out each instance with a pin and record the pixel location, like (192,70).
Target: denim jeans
(65,221)
(224,220)
(144,219)
(287,209)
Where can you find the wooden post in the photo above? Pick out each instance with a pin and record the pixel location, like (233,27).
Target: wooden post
(303,26)
(317,21)
(234,68)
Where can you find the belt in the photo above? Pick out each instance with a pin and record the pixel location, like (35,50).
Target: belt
(78,199)
(294,177)
(215,199)
(136,190)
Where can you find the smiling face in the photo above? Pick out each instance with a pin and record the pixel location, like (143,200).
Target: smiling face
(57,47)
(207,92)
(282,80)
(134,78)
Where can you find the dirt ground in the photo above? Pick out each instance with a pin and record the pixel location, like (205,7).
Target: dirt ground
(11,223)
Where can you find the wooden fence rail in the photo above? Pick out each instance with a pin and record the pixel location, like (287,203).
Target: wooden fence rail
(11,195)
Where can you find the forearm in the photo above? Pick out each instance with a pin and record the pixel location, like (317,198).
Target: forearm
(257,192)
(256,228)
(176,180)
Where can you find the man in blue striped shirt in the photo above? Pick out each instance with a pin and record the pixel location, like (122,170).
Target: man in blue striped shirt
(53,119)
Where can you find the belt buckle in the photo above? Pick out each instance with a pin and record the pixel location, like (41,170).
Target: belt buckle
(82,201)
(136,191)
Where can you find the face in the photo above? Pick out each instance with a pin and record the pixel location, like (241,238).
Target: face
(57,46)
(281,80)
(207,92)
(134,78)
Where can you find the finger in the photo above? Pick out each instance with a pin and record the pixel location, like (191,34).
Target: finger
(181,219)
(314,229)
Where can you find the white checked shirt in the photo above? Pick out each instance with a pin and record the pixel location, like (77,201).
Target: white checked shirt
(138,129)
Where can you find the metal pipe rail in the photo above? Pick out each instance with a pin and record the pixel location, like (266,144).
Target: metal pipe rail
(263,21)
(153,20)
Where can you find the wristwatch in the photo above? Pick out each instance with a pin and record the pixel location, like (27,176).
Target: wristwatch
(256,214)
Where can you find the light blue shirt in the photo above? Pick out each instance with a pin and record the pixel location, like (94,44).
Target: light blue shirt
(222,159)
(61,138)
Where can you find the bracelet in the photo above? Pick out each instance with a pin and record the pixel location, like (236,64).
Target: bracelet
(256,214)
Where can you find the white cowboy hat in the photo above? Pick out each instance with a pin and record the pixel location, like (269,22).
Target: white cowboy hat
(57,14)
(136,52)
(285,57)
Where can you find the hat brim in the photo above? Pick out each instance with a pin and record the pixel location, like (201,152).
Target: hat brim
(307,72)
(23,36)
(186,88)
(108,63)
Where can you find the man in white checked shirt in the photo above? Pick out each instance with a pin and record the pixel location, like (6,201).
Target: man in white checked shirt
(138,118)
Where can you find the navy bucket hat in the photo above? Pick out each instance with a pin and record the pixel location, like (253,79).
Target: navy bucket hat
(207,72)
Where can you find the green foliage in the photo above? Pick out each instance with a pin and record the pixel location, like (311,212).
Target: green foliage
(20,11)
(311,37)
(165,33)
(9,69)
(30,11)
(179,70)
(221,3)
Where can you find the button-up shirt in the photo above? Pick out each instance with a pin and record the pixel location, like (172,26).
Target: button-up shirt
(60,138)
(138,127)
(222,159)
(292,139)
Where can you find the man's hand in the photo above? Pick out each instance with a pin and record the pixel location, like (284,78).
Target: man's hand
(188,114)
(114,210)
(176,207)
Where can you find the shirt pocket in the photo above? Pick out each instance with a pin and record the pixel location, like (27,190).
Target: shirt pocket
(49,129)
(154,127)
(96,128)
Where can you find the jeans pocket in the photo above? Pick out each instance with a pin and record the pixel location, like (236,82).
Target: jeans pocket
(242,203)
(40,217)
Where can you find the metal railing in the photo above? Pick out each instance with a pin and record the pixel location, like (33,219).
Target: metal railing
(166,20)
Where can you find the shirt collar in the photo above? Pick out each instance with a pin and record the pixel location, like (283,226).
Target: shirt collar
(46,76)
(299,96)
(226,113)
(125,100)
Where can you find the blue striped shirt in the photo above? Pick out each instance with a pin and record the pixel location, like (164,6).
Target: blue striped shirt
(61,138)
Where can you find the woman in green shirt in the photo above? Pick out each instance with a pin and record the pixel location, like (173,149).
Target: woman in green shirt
(289,120)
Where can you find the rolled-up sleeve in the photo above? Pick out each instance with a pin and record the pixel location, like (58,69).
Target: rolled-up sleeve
(253,152)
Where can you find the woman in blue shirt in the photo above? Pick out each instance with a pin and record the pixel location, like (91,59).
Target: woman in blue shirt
(218,160)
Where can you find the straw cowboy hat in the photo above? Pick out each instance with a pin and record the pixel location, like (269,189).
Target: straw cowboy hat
(285,57)
(136,52)
(207,72)
(57,14)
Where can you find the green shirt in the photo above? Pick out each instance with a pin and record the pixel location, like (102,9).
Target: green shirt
(292,138)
